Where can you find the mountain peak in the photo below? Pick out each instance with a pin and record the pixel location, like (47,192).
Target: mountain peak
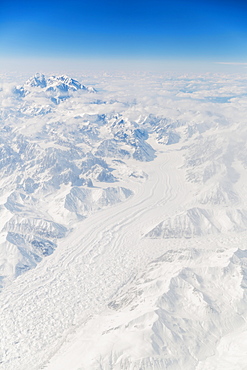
(62,83)
(38,80)
(59,86)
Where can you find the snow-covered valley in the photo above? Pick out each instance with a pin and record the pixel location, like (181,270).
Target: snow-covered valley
(123,206)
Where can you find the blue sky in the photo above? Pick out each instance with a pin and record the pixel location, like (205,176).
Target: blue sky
(173,30)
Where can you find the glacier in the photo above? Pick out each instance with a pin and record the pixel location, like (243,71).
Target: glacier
(123,209)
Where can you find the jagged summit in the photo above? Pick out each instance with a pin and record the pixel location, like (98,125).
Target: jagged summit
(59,87)
(38,80)
(55,83)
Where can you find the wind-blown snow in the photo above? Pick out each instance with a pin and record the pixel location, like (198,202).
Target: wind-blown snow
(123,205)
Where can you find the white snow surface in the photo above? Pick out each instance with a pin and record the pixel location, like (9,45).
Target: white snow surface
(123,222)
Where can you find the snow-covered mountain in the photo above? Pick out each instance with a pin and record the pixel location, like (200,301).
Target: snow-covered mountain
(44,160)
(123,223)
(62,83)
(58,88)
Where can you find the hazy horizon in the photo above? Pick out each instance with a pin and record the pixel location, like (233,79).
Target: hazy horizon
(31,66)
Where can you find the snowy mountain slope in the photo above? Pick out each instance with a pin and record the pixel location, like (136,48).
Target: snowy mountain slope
(126,209)
(198,222)
(170,317)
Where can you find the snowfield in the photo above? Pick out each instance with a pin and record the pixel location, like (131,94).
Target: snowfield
(123,207)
